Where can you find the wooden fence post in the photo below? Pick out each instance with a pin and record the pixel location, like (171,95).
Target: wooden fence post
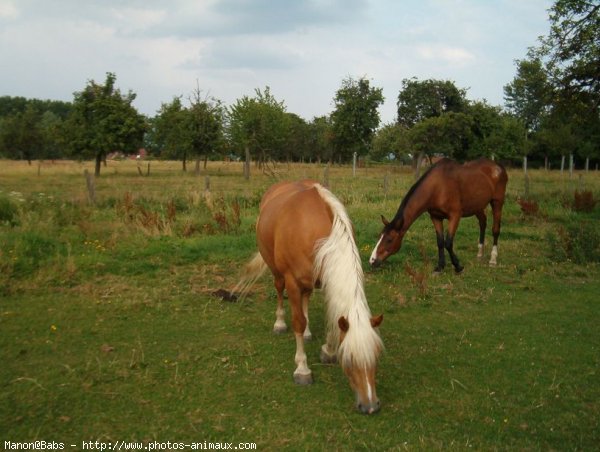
(91,186)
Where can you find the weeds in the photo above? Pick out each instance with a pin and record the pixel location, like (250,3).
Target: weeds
(529,207)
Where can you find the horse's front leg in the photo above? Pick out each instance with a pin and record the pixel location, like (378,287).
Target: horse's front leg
(302,374)
(438,224)
(452,227)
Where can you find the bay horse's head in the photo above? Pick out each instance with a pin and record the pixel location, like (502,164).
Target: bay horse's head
(359,361)
(389,242)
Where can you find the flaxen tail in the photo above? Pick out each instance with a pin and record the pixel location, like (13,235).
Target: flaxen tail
(253,270)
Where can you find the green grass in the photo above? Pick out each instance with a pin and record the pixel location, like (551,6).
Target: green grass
(109,329)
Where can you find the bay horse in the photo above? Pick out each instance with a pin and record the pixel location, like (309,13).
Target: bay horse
(448,191)
(306,239)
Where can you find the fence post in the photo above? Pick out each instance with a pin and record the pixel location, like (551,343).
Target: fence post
(247,164)
(354,164)
(91,186)
(570,166)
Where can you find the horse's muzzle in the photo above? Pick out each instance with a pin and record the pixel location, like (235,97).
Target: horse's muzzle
(371,408)
(375,263)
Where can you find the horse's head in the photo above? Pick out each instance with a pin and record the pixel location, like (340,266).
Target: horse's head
(360,375)
(389,242)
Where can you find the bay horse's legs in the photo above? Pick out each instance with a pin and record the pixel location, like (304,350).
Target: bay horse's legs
(302,374)
(279,327)
(438,224)
(452,227)
(497,213)
(482,225)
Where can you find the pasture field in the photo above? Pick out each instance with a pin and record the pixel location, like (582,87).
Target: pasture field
(109,329)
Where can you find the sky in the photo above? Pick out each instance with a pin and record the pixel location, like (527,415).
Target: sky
(301,49)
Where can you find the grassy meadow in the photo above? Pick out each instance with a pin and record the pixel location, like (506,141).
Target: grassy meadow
(109,329)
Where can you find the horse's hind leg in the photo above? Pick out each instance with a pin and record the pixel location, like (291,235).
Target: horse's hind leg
(439,234)
(305,298)
(482,218)
(452,227)
(279,327)
(497,212)
(302,374)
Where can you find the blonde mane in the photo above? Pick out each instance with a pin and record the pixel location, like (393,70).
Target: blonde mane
(338,266)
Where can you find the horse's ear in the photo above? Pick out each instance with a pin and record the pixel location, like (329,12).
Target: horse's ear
(384,221)
(343,324)
(376,321)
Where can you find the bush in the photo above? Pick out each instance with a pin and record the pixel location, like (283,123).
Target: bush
(578,242)
(8,211)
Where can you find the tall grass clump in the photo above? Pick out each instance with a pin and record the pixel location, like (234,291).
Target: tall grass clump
(8,211)
(578,241)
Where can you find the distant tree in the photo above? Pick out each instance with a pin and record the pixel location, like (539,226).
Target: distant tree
(391,140)
(21,136)
(419,100)
(168,134)
(321,138)
(205,124)
(530,94)
(258,124)
(297,143)
(448,134)
(104,120)
(355,117)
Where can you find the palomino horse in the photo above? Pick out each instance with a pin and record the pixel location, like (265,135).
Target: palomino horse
(448,190)
(305,237)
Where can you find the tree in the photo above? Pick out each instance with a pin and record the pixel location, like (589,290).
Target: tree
(529,95)
(449,134)
(258,124)
(391,140)
(205,124)
(355,117)
(420,100)
(321,138)
(104,120)
(167,135)
(572,49)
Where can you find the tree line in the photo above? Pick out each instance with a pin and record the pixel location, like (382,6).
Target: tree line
(551,110)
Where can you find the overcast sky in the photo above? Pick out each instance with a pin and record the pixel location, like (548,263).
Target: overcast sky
(301,49)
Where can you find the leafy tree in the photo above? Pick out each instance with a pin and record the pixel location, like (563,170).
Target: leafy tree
(391,139)
(572,49)
(321,138)
(529,95)
(258,124)
(104,120)
(21,135)
(448,134)
(205,120)
(355,117)
(167,135)
(420,100)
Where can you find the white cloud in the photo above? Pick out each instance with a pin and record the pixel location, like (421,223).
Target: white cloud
(447,54)
(8,10)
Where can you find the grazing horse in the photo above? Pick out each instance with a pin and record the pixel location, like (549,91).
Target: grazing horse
(448,191)
(305,237)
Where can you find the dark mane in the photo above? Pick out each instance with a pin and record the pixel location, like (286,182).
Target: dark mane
(399,217)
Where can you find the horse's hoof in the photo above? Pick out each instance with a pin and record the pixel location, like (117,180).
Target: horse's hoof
(437,271)
(493,264)
(307,337)
(303,379)
(280,329)
(459,270)
(326,358)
